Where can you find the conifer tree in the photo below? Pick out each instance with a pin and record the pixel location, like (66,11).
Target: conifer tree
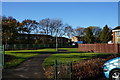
(89,36)
(106,34)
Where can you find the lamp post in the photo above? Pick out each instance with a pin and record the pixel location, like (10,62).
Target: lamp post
(56,40)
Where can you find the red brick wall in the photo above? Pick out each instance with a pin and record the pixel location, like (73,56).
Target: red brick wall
(102,48)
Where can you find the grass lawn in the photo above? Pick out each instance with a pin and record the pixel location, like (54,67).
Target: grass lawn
(70,57)
(70,49)
(20,57)
(38,50)
(61,57)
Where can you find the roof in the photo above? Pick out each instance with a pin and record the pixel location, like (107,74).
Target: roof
(34,35)
(77,37)
(118,27)
(40,35)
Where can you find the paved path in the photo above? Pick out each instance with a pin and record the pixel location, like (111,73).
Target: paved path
(32,69)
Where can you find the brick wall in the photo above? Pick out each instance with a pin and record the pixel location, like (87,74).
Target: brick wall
(102,48)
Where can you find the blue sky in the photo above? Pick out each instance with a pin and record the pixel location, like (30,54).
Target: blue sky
(82,14)
(59,0)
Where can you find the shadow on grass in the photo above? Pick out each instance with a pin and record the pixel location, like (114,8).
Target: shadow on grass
(13,61)
(47,52)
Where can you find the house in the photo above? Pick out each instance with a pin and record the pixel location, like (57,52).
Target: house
(39,39)
(33,39)
(116,35)
(76,39)
(62,40)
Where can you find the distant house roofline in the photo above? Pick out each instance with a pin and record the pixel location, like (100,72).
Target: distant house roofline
(118,27)
(77,36)
(35,34)
(116,30)
(42,35)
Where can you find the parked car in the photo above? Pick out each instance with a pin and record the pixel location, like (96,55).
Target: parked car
(112,69)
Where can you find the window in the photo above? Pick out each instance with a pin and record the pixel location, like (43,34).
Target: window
(118,33)
(118,39)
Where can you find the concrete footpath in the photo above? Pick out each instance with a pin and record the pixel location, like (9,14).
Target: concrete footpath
(31,69)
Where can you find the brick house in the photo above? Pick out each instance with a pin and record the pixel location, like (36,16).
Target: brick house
(39,39)
(76,38)
(33,38)
(116,35)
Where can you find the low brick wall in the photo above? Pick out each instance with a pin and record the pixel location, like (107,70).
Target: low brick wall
(100,48)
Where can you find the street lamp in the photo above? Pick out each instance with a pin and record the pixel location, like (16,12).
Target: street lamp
(56,40)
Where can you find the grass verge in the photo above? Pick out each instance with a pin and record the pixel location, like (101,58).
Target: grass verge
(70,49)
(38,50)
(70,57)
(18,57)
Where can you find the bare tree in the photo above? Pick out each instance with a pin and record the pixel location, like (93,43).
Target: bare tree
(80,31)
(44,26)
(30,26)
(57,28)
(95,30)
(69,31)
(51,27)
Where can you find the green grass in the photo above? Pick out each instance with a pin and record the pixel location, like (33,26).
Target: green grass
(69,57)
(20,57)
(61,57)
(38,50)
(70,49)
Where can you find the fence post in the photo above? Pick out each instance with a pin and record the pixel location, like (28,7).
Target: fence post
(27,46)
(14,46)
(3,52)
(55,69)
(21,46)
(70,70)
(118,48)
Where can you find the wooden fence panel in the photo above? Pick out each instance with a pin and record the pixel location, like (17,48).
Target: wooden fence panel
(102,48)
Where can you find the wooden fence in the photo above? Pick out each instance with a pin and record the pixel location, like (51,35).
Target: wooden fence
(100,48)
